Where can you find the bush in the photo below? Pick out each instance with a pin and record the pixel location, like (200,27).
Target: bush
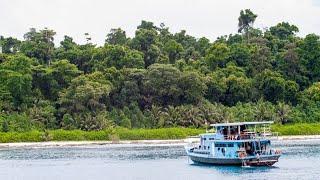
(162,133)
(16,123)
(32,136)
(297,129)
(42,115)
(109,134)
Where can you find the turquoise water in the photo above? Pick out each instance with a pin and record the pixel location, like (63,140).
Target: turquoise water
(300,160)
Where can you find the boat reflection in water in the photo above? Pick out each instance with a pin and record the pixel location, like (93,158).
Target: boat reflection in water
(242,143)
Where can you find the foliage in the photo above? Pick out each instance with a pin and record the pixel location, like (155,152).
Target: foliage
(157,79)
(83,100)
(42,115)
(118,57)
(51,80)
(283,30)
(78,135)
(246,20)
(217,55)
(16,79)
(274,87)
(297,129)
(116,36)
(174,50)
(39,44)
(16,123)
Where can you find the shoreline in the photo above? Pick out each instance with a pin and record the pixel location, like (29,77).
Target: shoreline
(51,144)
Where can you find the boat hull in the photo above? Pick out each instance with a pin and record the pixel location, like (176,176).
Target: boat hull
(252,161)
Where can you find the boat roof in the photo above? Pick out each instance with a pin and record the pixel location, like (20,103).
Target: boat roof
(241,123)
(242,140)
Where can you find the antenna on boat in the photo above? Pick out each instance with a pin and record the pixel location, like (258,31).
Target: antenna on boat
(205,122)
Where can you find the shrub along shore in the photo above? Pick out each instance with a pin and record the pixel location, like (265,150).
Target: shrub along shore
(103,135)
(297,129)
(117,134)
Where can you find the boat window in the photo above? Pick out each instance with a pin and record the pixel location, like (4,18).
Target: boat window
(204,138)
(223,145)
(211,138)
(220,145)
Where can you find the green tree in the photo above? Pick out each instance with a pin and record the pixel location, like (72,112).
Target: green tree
(240,54)
(185,40)
(229,85)
(283,30)
(238,90)
(261,59)
(16,79)
(192,86)
(9,45)
(51,80)
(128,88)
(291,67)
(42,115)
(310,55)
(117,37)
(264,111)
(310,95)
(80,55)
(284,113)
(145,41)
(217,55)
(202,45)
(161,84)
(85,98)
(273,86)
(146,25)
(117,56)
(39,45)
(246,20)
(174,50)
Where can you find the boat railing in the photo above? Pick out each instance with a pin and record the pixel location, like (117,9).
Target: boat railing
(267,152)
(251,135)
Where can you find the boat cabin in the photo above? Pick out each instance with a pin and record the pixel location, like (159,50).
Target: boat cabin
(242,130)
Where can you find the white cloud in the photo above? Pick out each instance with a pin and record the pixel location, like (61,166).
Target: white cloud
(210,18)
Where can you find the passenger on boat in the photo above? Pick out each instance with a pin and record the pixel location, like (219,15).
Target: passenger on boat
(223,151)
(249,149)
(238,137)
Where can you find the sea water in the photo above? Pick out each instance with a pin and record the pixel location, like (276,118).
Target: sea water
(300,160)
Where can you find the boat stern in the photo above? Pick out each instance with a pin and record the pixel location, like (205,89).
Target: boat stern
(267,160)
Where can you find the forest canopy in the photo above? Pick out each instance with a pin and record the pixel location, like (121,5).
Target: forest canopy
(159,79)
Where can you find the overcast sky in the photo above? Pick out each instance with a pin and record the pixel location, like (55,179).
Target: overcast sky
(210,18)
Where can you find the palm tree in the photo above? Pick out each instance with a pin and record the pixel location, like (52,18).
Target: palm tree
(246,20)
(156,115)
(283,112)
(173,116)
(192,116)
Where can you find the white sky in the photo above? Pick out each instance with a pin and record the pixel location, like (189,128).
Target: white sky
(209,18)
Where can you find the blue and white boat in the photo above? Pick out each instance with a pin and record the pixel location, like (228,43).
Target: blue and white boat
(240,143)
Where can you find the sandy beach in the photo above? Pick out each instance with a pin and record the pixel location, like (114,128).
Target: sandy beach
(130,142)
